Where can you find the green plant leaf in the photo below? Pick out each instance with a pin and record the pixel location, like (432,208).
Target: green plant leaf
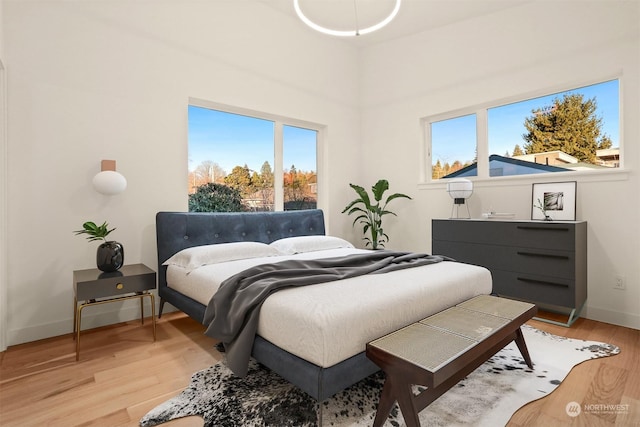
(379,188)
(94,231)
(388,212)
(354,210)
(364,196)
(353,207)
(397,196)
(362,218)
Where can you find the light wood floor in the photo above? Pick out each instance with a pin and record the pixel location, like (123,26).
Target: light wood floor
(122,374)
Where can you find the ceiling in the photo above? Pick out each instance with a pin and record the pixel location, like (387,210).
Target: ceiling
(414,16)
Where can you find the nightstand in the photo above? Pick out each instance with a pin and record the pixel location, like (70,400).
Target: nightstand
(94,287)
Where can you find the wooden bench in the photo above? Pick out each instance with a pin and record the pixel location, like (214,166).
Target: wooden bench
(442,349)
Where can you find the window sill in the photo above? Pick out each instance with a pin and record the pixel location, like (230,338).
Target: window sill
(517,180)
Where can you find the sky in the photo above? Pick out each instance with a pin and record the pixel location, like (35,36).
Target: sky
(456,139)
(234,140)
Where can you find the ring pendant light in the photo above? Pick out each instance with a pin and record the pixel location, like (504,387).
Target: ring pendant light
(347,33)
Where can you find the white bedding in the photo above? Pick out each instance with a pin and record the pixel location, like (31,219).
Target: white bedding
(330,322)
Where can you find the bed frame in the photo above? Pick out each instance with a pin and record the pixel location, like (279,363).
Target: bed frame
(176,231)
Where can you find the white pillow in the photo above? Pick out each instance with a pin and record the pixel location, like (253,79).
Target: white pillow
(300,244)
(197,256)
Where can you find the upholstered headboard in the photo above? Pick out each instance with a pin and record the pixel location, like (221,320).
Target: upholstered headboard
(176,231)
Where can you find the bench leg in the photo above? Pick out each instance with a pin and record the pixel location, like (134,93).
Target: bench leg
(403,392)
(522,346)
(387,400)
(406,402)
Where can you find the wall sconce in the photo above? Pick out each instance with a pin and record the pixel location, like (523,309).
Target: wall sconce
(460,190)
(108,181)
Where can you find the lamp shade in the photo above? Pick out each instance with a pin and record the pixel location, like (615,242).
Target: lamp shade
(109,182)
(460,188)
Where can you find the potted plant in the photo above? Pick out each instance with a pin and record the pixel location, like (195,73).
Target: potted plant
(369,212)
(110,254)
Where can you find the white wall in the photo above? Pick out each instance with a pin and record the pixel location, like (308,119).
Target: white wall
(537,46)
(111,80)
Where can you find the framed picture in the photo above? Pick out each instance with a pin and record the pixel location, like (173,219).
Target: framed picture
(554,201)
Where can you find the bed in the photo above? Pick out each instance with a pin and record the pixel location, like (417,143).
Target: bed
(320,359)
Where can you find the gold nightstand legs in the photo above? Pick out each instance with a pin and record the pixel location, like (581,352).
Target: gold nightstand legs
(153,315)
(78,320)
(77,313)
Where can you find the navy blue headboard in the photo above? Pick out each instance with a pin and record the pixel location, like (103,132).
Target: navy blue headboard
(176,231)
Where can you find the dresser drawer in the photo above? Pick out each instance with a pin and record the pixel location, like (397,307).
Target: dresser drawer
(535,287)
(507,258)
(499,257)
(549,236)
(467,231)
(543,261)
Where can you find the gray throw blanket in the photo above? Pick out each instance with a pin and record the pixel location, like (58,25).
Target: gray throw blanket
(232,314)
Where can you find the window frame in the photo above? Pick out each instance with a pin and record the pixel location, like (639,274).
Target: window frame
(482,137)
(278,145)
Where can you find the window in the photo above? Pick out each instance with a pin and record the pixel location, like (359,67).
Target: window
(575,130)
(299,159)
(453,146)
(248,161)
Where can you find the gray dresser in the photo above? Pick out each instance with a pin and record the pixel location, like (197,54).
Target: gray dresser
(535,261)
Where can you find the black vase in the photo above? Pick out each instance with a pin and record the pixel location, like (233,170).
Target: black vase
(110,256)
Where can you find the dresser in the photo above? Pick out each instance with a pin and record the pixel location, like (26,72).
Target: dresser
(536,261)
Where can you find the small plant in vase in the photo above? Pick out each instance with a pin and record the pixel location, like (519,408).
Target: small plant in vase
(543,209)
(369,212)
(110,254)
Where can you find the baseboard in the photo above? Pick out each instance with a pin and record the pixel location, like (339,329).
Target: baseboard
(125,314)
(89,321)
(628,320)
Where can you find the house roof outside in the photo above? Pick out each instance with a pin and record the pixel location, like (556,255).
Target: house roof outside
(554,158)
(609,157)
(503,166)
(550,161)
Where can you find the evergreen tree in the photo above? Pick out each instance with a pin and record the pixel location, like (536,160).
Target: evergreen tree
(517,151)
(240,179)
(436,172)
(456,166)
(266,175)
(264,185)
(569,125)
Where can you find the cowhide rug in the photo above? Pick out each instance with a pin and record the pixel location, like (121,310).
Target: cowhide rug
(488,396)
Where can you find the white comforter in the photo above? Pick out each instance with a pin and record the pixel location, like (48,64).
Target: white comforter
(330,322)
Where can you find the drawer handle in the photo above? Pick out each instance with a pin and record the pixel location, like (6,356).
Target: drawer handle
(542,282)
(542,227)
(536,254)
(119,286)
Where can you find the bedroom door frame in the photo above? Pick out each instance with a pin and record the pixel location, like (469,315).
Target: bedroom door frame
(4,200)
